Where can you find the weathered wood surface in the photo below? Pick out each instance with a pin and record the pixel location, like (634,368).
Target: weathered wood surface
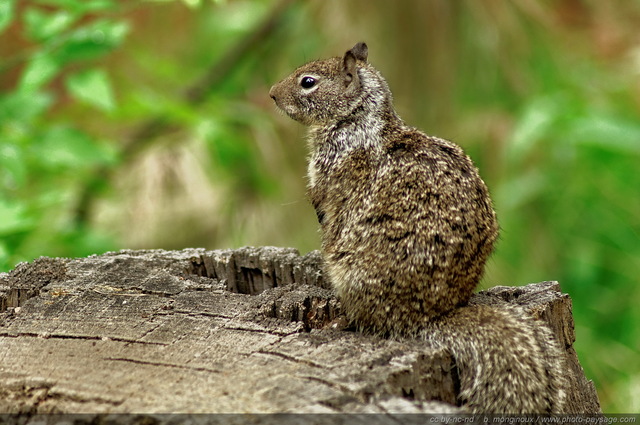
(248,330)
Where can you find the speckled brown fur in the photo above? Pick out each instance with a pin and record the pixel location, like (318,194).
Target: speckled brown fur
(407,227)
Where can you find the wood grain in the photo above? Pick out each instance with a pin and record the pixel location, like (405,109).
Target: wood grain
(233,331)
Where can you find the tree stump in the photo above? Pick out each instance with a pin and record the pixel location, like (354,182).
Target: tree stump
(231,331)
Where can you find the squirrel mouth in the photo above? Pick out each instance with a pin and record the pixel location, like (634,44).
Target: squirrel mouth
(287,109)
(292,112)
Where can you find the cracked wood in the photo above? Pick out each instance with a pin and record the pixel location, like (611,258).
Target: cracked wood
(246,330)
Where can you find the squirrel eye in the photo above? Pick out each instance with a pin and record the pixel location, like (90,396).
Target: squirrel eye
(307,82)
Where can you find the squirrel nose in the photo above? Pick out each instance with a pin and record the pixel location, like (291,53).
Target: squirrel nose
(272,94)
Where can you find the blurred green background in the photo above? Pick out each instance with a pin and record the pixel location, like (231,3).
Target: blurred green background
(147,124)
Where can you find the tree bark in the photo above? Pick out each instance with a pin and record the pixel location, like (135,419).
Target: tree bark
(248,330)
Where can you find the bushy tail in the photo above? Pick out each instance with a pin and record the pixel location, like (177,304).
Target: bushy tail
(507,361)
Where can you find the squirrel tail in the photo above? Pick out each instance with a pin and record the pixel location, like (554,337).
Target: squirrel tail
(506,361)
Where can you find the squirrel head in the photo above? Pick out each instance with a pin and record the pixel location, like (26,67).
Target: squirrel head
(326,91)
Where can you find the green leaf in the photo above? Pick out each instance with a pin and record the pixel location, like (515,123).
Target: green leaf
(611,133)
(534,124)
(92,41)
(41,25)
(80,6)
(13,169)
(92,87)
(192,3)
(13,218)
(20,108)
(66,147)
(6,13)
(39,71)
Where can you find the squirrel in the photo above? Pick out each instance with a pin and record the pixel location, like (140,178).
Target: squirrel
(407,226)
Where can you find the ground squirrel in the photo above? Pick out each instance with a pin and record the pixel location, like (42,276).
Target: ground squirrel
(407,226)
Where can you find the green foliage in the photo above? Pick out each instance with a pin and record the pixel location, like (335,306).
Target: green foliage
(572,186)
(6,13)
(93,88)
(567,193)
(58,154)
(45,159)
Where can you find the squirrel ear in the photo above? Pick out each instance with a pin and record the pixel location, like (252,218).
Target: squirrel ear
(358,52)
(349,67)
